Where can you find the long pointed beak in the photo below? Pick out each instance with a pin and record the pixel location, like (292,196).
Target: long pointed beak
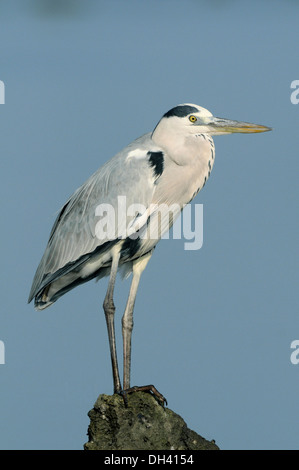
(227,126)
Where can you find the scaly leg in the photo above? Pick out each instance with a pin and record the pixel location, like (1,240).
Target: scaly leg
(127,321)
(109,309)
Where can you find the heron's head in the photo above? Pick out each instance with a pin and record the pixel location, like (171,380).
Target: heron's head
(191,119)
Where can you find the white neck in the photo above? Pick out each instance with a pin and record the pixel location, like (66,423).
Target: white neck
(180,148)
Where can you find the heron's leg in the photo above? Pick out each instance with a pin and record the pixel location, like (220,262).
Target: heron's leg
(127,321)
(109,309)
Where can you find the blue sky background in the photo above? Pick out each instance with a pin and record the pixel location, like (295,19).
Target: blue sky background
(213,327)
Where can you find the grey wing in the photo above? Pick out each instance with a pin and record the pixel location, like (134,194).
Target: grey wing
(75,232)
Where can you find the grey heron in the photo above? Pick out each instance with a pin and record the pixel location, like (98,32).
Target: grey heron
(165,167)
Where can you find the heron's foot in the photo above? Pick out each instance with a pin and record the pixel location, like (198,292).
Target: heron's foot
(145,388)
(123,393)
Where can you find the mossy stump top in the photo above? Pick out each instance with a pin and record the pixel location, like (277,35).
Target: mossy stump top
(143,425)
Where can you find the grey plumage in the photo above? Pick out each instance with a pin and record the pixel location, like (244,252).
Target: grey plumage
(164,168)
(73,240)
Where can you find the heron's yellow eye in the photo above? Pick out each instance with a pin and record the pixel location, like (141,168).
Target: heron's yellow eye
(192,118)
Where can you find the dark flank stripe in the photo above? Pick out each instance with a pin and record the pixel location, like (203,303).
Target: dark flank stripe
(130,247)
(74,266)
(58,219)
(72,285)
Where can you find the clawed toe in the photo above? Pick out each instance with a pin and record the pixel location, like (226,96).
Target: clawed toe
(144,388)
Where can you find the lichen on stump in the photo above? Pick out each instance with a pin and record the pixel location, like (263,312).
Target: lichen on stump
(143,425)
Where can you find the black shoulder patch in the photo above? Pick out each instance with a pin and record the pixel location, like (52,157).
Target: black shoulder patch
(181,111)
(156,160)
